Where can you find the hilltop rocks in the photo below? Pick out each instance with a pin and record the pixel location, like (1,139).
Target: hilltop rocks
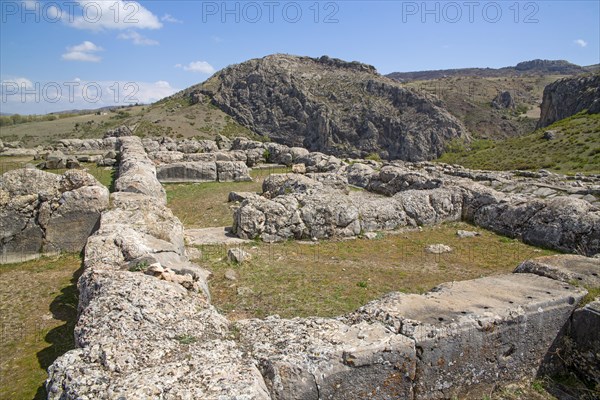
(119,132)
(318,104)
(569,96)
(44,213)
(503,100)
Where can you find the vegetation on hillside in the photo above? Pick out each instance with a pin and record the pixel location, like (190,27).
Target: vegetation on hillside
(574,148)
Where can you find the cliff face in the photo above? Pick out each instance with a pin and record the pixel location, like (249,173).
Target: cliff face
(328,105)
(569,96)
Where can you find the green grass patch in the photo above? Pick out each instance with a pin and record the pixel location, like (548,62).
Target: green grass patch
(334,277)
(203,205)
(38,311)
(576,148)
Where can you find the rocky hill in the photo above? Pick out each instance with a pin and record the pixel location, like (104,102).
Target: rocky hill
(569,96)
(540,67)
(328,105)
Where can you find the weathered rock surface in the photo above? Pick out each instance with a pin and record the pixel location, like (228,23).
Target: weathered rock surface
(310,358)
(461,329)
(569,96)
(582,352)
(457,340)
(146,329)
(45,213)
(232,171)
(303,208)
(141,337)
(577,348)
(504,100)
(137,172)
(187,172)
(567,268)
(319,104)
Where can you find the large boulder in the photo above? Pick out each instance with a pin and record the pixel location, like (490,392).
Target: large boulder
(232,171)
(187,172)
(44,213)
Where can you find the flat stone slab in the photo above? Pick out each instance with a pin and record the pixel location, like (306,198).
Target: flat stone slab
(566,268)
(212,236)
(473,333)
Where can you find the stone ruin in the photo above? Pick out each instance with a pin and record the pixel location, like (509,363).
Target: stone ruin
(147,329)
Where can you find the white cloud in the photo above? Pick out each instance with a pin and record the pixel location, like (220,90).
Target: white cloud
(580,42)
(216,39)
(137,39)
(171,19)
(20,82)
(198,66)
(116,14)
(83,52)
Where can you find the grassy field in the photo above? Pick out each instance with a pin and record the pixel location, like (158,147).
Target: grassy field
(38,309)
(334,277)
(202,205)
(576,148)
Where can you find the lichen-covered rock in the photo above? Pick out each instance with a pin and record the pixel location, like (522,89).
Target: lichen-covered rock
(319,358)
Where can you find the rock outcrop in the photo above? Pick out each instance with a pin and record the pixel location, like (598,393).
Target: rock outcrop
(570,96)
(332,106)
(297,206)
(504,100)
(45,213)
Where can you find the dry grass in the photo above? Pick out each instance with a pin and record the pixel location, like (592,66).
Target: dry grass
(334,277)
(38,309)
(203,205)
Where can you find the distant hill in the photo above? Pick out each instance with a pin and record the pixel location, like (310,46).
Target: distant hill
(333,106)
(543,67)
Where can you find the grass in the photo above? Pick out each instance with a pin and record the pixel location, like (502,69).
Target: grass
(202,205)
(546,388)
(334,277)
(576,148)
(38,311)
(105,175)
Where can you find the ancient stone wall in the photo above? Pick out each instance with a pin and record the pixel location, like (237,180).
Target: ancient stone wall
(146,328)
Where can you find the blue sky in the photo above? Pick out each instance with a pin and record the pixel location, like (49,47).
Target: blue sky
(59,55)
